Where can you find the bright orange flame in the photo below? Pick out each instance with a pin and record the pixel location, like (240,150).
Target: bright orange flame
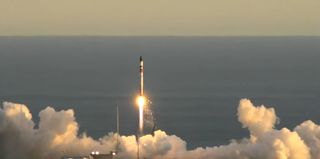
(141,101)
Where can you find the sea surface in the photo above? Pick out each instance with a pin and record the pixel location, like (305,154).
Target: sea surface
(194,83)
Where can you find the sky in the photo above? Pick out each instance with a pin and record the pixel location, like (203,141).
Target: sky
(160,17)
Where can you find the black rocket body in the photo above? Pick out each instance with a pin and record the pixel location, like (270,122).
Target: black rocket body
(141,76)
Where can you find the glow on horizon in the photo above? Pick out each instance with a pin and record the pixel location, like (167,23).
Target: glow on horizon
(165,17)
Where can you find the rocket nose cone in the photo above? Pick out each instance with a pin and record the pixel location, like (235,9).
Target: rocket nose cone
(140,58)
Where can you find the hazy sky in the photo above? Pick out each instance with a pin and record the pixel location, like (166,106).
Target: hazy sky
(159,17)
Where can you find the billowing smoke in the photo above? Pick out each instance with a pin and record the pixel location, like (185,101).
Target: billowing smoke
(57,135)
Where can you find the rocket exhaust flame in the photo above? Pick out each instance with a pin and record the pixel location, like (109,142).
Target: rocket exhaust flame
(141,119)
(141,102)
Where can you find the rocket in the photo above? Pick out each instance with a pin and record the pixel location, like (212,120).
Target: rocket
(141,98)
(141,76)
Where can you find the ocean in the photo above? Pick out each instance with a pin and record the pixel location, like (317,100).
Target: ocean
(194,83)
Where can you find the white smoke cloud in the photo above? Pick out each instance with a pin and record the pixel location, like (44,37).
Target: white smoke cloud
(258,120)
(310,133)
(57,135)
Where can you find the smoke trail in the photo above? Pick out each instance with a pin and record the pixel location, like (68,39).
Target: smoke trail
(149,119)
(57,134)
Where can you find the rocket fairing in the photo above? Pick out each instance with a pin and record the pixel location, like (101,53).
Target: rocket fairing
(141,76)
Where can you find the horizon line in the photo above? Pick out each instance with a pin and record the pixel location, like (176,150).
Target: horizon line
(160,36)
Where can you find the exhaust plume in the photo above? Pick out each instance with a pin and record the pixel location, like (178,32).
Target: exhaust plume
(57,135)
